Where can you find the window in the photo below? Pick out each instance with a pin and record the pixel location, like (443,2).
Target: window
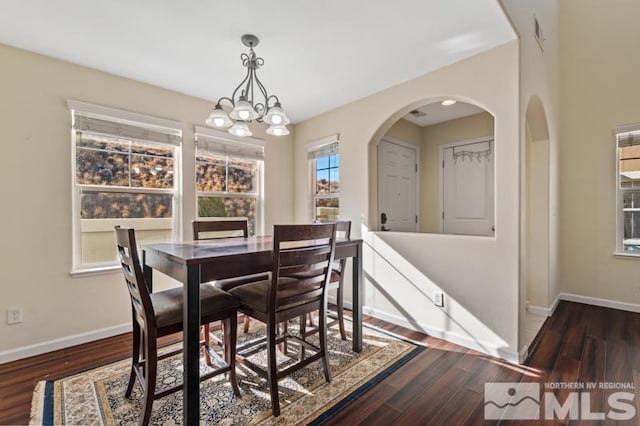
(628,182)
(229,177)
(124,173)
(325,178)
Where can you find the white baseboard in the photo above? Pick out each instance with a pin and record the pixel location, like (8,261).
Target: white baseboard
(546,312)
(504,353)
(606,303)
(569,297)
(539,310)
(65,342)
(459,339)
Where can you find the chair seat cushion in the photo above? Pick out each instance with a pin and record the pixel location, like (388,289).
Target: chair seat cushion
(255,295)
(167,305)
(229,283)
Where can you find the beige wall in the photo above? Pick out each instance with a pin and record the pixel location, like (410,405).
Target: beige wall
(599,72)
(406,131)
(433,137)
(36,192)
(402,270)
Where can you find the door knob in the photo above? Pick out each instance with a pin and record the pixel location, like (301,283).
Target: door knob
(383,220)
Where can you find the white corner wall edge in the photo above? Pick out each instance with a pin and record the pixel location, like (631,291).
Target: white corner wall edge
(484,347)
(524,354)
(64,342)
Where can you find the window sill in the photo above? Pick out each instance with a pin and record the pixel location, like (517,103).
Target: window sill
(626,255)
(103,270)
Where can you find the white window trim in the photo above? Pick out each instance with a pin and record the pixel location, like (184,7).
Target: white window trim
(78,269)
(227,138)
(313,146)
(619,249)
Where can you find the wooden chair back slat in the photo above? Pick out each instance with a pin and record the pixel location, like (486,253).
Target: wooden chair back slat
(303,256)
(213,229)
(314,295)
(298,233)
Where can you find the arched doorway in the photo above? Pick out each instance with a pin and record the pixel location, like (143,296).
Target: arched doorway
(434,170)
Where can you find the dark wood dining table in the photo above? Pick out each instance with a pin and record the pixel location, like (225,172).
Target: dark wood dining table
(195,262)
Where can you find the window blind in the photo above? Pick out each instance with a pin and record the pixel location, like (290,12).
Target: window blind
(109,127)
(127,125)
(628,135)
(323,147)
(220,143)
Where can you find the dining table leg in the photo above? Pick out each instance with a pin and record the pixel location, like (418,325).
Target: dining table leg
(357,298)
(147,272)
(191,345)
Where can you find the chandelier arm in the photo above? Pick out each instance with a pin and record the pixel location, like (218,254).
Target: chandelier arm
(263,90)
(224,98)
(277,101)
(260,109)
(245,59)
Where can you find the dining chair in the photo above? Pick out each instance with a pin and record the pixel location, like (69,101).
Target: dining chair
(296,248)
(211,230)
(160,314)
(343,230)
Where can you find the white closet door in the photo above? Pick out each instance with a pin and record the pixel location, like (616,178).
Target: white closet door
(467,189)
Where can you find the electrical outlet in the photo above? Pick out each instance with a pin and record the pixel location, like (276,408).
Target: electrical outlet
(438,299)
(14,315)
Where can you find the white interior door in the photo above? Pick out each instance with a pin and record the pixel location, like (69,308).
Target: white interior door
(467,189)
(397,171)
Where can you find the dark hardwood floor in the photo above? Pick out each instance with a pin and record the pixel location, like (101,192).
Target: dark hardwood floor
(442,385)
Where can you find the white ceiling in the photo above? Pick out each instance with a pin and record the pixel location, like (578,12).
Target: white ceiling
(438,113)
(318,54)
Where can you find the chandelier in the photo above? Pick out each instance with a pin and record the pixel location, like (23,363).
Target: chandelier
(250,101)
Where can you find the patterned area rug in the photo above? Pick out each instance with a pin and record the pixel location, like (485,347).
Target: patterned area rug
(96,397)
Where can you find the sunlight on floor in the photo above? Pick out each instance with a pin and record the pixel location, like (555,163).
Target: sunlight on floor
(522,369)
